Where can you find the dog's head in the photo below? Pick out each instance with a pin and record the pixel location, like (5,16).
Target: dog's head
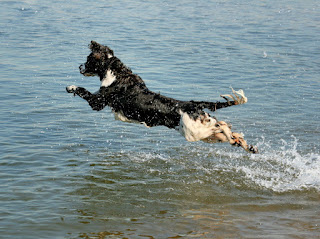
(97,60)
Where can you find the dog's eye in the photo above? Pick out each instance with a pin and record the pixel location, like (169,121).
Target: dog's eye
(217,125)
(97,56)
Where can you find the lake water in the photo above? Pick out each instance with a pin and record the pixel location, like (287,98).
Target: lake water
(69,172)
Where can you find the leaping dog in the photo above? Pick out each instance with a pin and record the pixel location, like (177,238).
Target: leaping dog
(131,101)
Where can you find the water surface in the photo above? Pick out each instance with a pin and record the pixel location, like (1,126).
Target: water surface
(70,172)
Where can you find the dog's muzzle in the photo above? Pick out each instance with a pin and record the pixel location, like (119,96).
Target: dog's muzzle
(82,68)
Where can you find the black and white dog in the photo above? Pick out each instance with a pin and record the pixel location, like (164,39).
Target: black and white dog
(131,101)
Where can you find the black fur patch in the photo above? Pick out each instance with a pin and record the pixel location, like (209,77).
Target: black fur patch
(129,95)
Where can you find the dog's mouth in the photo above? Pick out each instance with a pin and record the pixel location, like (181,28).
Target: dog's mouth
(83,71)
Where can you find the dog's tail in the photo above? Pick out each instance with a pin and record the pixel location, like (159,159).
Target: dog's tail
(238,98)
(212,106)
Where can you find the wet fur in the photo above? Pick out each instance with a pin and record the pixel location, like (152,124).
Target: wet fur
(131,101)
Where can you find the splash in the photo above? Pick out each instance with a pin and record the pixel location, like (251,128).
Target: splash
(284,169)
(281,169)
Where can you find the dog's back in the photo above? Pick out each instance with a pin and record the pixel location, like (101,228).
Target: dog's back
(131,100)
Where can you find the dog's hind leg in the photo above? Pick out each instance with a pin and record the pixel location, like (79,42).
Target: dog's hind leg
(96,101)
(236,140)
(241,142)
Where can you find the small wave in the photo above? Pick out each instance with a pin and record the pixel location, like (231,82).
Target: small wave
(284,169)
(280,169)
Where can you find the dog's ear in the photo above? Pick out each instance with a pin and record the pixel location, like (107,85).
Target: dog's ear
(95,46)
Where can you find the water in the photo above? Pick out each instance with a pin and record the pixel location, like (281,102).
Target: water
(70,172)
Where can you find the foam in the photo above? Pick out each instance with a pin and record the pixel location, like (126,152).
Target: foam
(281,169)
(284,169)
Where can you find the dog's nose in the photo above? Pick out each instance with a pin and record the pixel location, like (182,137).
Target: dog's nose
(82,68)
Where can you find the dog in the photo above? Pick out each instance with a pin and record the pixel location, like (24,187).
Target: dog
(131,101)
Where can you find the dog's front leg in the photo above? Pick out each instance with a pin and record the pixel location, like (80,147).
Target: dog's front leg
(96,101)
(80,91)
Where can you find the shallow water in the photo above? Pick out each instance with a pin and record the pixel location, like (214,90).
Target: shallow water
(70,172)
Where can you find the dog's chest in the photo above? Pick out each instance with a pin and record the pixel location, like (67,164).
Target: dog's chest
(108,79)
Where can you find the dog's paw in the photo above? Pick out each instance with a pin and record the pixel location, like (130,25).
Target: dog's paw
(239,97)
(253,149)
(71,89)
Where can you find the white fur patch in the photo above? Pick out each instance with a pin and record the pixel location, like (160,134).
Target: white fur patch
(120,116)
(72,88)
(108,79)
(195,130)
